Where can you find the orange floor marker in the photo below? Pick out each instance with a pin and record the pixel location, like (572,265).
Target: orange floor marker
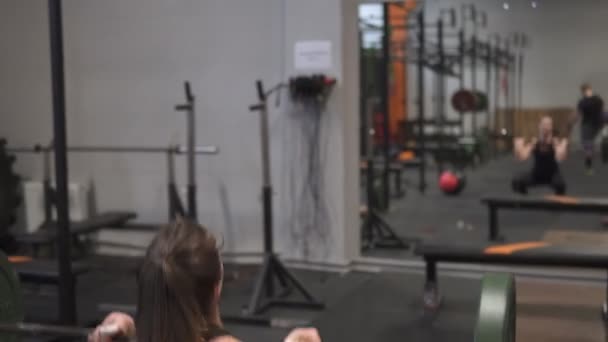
(514,247)
(19,259)
(563,199)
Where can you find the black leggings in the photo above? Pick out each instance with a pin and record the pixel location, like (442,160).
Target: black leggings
(528,179)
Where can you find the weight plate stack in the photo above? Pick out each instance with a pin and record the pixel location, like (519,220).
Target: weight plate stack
(463,101)
(497,309)
(10,197)
(11,300)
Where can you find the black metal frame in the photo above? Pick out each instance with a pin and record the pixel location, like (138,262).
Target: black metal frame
(421,97)
(67,296)
(375,231)
(440,97)
(190,109)
(496,54)
(264,295)
(384,98)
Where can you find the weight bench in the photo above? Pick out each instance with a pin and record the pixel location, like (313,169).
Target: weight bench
(45,271)
(48,233)
(547,203)
(534,253)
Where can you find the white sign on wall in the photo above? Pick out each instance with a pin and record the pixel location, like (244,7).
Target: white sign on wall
(313,55)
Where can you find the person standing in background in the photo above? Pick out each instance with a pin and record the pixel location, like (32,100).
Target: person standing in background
(590,110)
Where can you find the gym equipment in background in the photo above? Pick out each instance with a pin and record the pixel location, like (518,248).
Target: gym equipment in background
(463,101)
(468,101)
(10,198)
(62,272)
(264,294)
(12,327)
(67,293)
(481,101)
(189,108)
(375,231)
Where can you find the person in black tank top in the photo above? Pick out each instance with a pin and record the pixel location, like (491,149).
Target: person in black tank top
(546,151)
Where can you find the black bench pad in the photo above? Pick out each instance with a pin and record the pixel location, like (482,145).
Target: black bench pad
(45,271)
(91,225)
(526,253)
(558,203)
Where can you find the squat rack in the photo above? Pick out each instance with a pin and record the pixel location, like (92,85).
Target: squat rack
(67,300)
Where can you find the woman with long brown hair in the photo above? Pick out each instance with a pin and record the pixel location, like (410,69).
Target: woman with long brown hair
(179,288)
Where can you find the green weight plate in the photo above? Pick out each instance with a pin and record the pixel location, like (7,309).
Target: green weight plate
(11,301)
(481,101)
(497,309)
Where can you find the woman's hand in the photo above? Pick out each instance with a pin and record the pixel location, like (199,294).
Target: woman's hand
(116,324)
(303,335)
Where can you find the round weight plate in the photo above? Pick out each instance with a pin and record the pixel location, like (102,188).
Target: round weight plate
(496,321)
(11,301)
(463,101)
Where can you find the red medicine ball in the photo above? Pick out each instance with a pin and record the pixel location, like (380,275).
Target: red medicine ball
(449,182)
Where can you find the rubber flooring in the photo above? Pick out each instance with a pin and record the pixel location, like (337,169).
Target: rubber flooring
(376,307)
(388,306)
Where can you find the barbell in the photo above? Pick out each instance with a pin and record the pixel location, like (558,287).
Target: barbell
(12,312)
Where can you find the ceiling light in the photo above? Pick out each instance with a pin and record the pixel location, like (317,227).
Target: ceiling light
(534,4)
(506,6)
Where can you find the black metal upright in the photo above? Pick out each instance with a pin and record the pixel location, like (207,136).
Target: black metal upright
(520,80)
(441,93)
(191,120)
(67,297)
(190,110)
(474,68)
(509,86)
(363,93)
(461,62)
(497,71)
(421,98)
(385,103)
(488,61)
(264,294)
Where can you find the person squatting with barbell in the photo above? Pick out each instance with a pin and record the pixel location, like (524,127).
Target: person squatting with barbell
(547,152)
(179,286)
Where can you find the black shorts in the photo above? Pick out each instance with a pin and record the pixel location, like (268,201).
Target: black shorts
(589,132)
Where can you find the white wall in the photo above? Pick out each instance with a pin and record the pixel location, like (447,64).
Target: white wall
(125,63)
